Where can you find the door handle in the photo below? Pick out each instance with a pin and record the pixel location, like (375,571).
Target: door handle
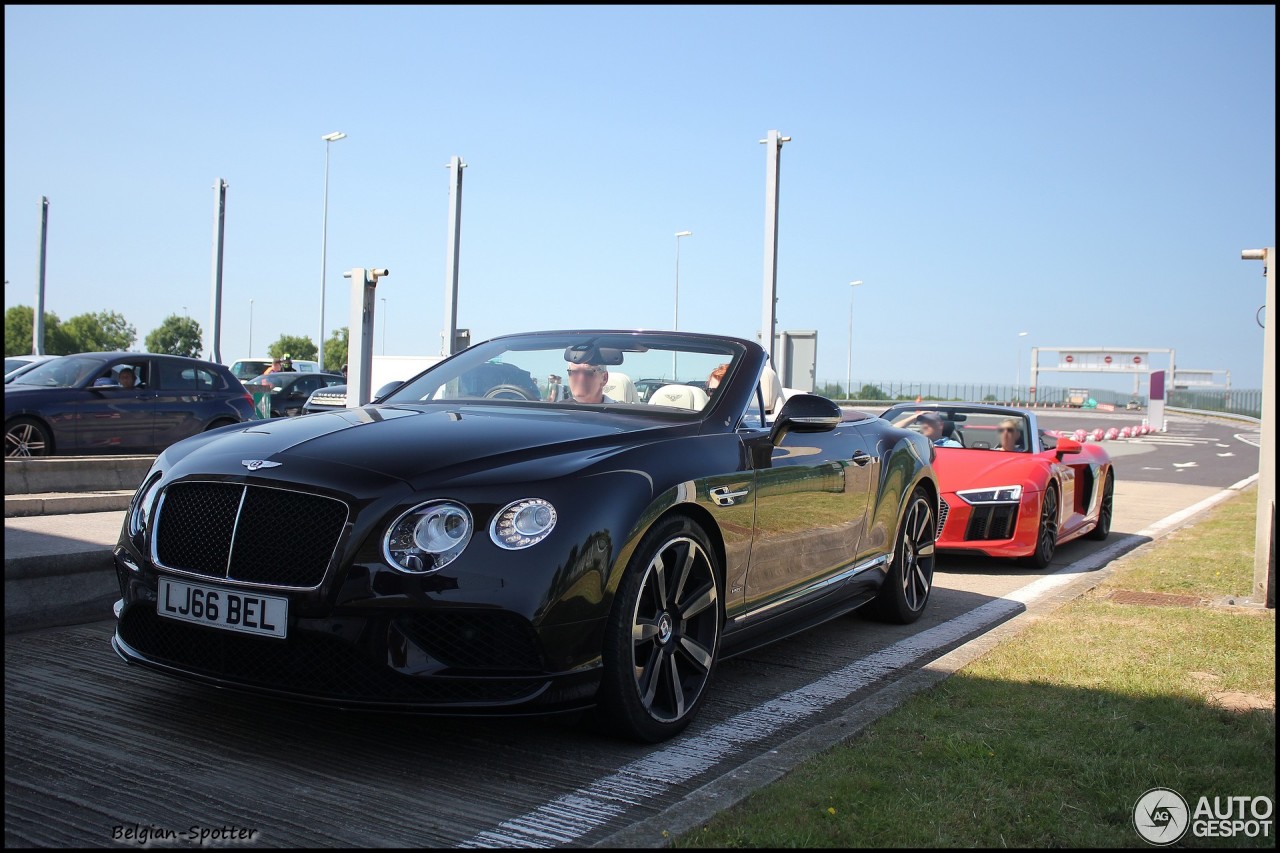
(861,457)
(723,497)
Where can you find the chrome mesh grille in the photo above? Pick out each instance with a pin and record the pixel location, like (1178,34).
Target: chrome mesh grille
(253,534)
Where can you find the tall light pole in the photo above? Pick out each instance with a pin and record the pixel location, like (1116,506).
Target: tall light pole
(848,377)
(250,328)
(1017,377)
(384,325)
(324,234)
(676,327)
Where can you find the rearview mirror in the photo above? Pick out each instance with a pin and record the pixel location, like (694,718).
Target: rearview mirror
(1067,445)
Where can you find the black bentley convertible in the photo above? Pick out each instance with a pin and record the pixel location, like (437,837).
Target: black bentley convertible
(451,551)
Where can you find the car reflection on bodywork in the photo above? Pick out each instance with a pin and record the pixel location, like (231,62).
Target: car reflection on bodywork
(290,391)
(463,547)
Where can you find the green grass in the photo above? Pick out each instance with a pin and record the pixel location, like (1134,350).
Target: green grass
(1050,739)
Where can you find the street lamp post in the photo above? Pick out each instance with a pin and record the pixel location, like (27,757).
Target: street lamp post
(848,377)
(676,328)
(324,234)
(1017,377)
(250,328)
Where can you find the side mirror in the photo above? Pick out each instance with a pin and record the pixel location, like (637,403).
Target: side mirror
(1067,445)
(805,413)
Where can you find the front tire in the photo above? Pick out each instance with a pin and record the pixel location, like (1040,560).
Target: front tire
(662,639)
(1103,529)
(1047,531)
(905,592)
(27,437)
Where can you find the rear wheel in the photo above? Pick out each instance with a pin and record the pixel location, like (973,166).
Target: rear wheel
(1047,533)
(1104,512)
(906,588)
(663,635)
(27,437)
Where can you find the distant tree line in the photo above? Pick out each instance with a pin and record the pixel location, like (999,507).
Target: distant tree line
(107,331)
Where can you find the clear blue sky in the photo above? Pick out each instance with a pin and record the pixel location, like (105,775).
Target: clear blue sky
(1087,174)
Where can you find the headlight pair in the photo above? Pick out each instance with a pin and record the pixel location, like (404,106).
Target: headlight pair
(433,534)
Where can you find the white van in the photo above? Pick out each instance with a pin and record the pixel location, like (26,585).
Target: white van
(252,368)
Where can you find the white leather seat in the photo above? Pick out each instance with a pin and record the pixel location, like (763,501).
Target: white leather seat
(621,389)
(688,397)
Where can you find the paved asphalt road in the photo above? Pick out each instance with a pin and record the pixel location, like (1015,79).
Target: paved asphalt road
(95,749)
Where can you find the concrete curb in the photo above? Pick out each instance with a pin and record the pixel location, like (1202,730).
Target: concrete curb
(74,474)
(81,587)
(20,506)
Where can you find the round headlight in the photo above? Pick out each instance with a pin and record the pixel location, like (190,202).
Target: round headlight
(428,537)
(523,523)
(140,512)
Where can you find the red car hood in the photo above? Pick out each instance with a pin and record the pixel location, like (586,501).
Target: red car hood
(960,468)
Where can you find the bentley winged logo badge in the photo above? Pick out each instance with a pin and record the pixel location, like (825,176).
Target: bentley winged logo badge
(255,464)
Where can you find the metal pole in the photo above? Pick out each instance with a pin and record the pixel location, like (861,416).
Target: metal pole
(215,308)
(364,283)
(848,377)
(1264,542)
(37,329)
(768,321)
(676,327)
(451,256)
(324,237)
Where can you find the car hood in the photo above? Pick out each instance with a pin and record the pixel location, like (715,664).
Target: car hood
(421,444)
(960,468)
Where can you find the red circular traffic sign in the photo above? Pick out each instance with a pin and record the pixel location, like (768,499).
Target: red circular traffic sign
(1070,359)
(1107,359)
(1137,359)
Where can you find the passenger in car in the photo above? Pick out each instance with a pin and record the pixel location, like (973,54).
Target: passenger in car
(1010,433)
(127,379)
(932,427)
(586,383)
(716,377)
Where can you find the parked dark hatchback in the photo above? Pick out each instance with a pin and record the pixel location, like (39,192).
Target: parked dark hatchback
(289,391)
(464,547)
(77,405)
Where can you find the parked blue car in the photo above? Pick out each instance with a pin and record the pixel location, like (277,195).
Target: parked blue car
(76,405)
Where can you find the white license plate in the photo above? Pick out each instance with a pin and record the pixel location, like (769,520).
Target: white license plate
(219,607)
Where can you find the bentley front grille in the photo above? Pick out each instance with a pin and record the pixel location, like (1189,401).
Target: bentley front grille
(250,534)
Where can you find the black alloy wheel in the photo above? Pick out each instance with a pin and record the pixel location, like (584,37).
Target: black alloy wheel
(663,634)
(1104,512)
(905,592)
(26,437)
(1047,534)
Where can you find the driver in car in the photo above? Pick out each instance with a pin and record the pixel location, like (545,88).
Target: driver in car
(586,383)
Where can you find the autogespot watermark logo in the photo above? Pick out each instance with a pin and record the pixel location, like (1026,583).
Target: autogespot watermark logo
(1162,817)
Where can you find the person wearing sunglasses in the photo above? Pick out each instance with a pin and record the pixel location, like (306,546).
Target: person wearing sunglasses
(586,383)
(1010,435)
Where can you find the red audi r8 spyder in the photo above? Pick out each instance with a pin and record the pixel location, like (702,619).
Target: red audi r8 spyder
(1010,488)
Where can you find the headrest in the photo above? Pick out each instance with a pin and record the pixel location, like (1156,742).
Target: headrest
(620,388)
(688,397)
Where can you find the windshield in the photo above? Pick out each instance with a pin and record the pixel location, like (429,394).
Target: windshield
(66,372)
(637,370)
(971,428)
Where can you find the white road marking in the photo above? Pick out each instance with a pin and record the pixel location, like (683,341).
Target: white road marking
(565,820)
(1228,453)
(1184,465)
